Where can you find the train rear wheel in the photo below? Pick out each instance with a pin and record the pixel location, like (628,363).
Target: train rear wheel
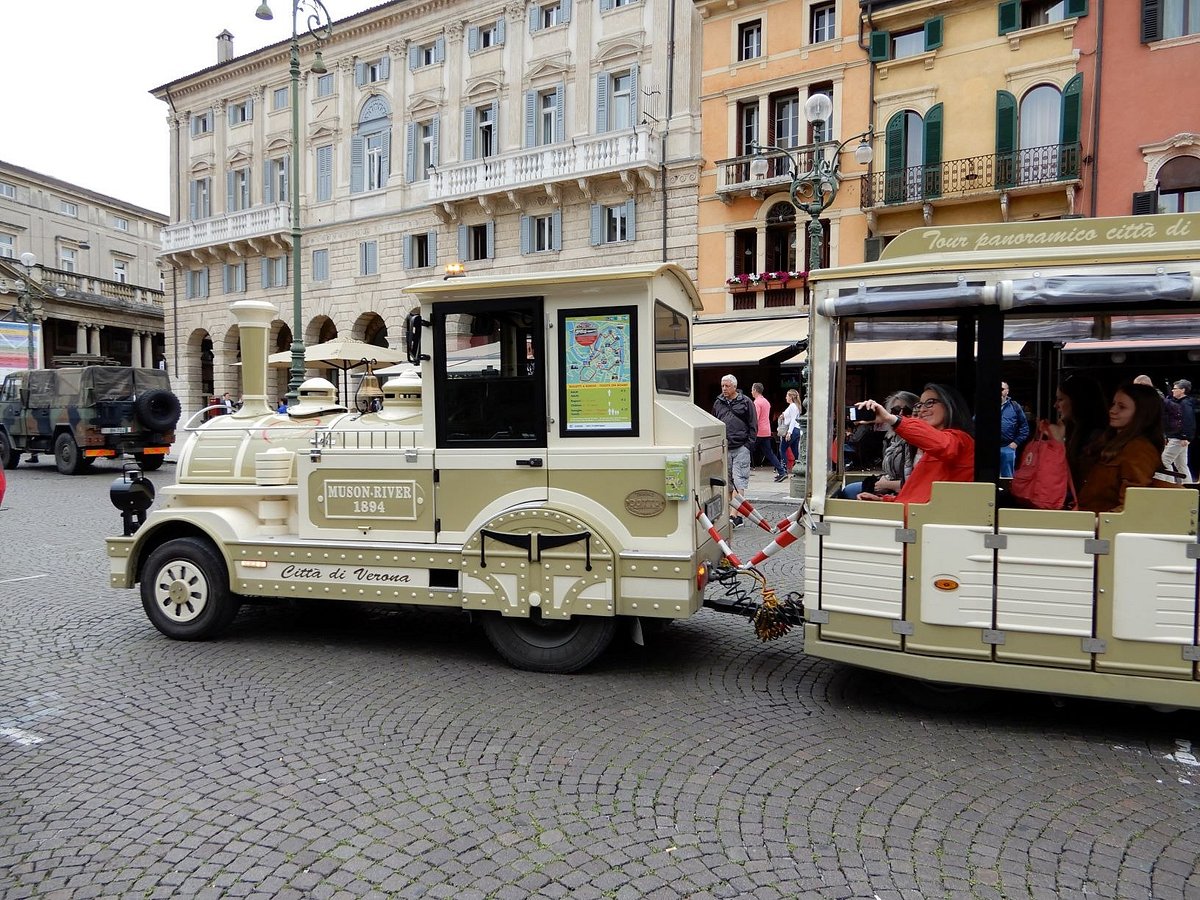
(550,645)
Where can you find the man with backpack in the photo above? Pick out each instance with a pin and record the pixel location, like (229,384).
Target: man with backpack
(1179,428)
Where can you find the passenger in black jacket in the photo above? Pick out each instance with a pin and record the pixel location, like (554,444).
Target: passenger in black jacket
(736,410)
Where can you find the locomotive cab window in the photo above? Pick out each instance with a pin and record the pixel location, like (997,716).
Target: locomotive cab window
(489,373)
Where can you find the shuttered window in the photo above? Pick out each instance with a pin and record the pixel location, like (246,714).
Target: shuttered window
(368,258)
(613,224)
(325,173)
(320,265)
(371,147)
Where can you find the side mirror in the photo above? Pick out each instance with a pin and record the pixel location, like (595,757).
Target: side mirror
(413,324)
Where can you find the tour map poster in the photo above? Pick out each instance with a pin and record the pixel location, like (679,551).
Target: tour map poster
(598,372)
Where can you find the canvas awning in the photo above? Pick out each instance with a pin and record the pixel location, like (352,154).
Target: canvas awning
(745,343)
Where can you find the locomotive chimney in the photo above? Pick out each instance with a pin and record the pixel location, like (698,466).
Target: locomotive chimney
(254,318)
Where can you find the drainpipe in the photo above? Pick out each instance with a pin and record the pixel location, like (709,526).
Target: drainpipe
(176,213)
(662,162)
(870,83)
(1096,107)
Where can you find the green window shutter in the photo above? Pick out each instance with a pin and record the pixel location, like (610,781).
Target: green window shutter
(1151,21)
(879,45)
(893,180)
(1010,16)
(932,181)
(1069,151)
(1076,8)
(1006,139)
(1145,203)
(933,33)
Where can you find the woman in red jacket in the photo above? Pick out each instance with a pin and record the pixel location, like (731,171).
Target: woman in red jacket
(942,433)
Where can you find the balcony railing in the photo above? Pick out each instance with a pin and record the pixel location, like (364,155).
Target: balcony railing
(733,175)
(534,167)
(244,224)
(974,175)
(100,287)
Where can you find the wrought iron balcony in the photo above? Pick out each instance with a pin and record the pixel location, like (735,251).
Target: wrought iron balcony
(733,175)
(626,153)
(997,172)
(273,222)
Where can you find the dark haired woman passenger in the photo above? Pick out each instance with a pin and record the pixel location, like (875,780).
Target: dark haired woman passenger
(1128,452)
(1082,418)
(942,432)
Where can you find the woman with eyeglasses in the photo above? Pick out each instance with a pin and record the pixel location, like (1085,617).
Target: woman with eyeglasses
(943,433)
(899,456)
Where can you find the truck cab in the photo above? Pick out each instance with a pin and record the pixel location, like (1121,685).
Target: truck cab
(540,465)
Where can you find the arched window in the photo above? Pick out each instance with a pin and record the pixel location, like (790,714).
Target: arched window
(371,146)
(1037,140)
(913,145)
(1179,185)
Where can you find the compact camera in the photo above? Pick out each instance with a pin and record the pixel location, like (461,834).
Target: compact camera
(854,414)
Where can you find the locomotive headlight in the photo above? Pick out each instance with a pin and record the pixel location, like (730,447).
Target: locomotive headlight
(132,493)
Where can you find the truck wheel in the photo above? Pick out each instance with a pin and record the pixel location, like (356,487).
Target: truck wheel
(185,590)
(158,410)
(67,458)
(9,458)
(550,645)
(151,462)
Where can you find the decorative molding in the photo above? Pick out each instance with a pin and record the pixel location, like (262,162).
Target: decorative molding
(426,102)
(546,69)
(619,48)
(1158,154)
(454,32)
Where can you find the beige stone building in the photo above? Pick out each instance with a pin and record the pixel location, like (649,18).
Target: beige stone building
(95,285)
(501,135)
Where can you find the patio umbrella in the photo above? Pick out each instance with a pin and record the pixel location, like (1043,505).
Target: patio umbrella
(342,354)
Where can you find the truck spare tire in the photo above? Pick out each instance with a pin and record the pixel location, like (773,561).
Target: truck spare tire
(158,409)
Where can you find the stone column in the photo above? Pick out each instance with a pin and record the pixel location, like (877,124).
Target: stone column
(148,359)
(81,338)
(135,350)
(94,349)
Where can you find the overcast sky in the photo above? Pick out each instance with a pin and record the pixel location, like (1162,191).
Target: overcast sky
(77,76)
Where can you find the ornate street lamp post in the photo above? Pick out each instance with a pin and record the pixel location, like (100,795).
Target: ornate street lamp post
(320,28)
(27,306)
(813,191)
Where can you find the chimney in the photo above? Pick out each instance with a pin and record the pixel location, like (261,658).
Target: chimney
(254,318)
(224,47)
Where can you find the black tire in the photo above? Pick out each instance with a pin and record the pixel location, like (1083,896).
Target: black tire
(550,645)
(9,458)
(158,409)
(939,697)
(185,590)
(68,458)
(151,462)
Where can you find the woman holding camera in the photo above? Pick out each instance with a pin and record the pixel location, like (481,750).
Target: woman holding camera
(899,456)
(942,432)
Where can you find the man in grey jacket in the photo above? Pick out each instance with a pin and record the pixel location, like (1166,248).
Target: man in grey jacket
(741,429)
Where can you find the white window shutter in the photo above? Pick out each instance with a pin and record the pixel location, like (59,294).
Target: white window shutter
(266,273)
(473,39)
(250,110)
(435,144)
(193,189)
(462,243)
(560,130)
(431,243)
(535,18)
(606,4)
(204,282)
(526,239)
(407,251)
(229,192)
(566,11)
(602,103)
(630,225)
(225,278)
(556,230)
(439,50)
(385,158)
(385,67)
(469,133)
(286,180)
(597,223)
(360,73)
(530,118)
(633,95)
(410,153)
(414,56)
(230,111)
(268,185)
(356,164)
(491,240)
(500,29)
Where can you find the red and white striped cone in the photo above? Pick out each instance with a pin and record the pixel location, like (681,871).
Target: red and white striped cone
(743,508)
(706,523)
(789,537)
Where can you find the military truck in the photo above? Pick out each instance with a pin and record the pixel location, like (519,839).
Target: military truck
(543,470)
(81,414)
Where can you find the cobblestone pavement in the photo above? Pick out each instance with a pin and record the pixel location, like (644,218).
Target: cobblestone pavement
(339,752)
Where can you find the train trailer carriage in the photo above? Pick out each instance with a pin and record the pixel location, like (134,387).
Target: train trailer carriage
(965,589)
(541,466)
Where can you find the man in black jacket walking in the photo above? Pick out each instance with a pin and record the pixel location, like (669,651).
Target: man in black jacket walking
(1179,414)
(741,429)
